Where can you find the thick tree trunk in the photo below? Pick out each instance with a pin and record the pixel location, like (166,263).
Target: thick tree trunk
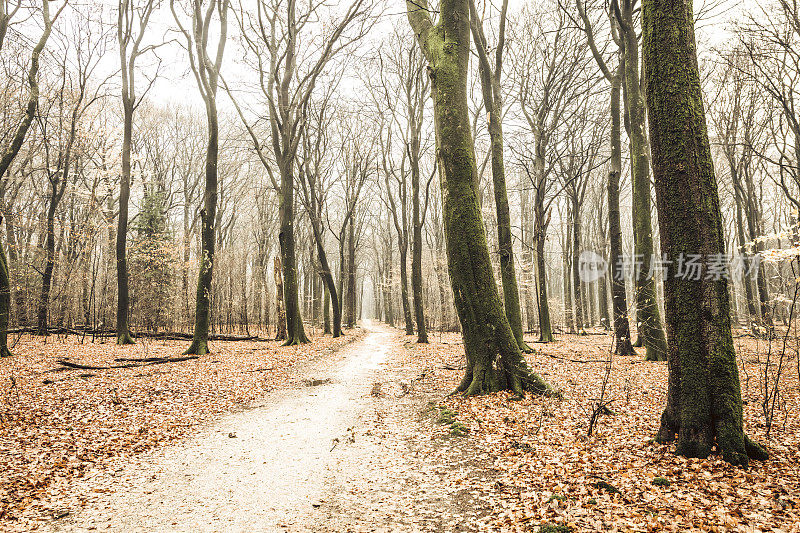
(492,99)
(295,331)
(704,402)
(484,324)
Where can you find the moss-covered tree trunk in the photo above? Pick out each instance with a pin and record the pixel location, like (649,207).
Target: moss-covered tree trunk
(540,224)
(490,76)
(619,300)
(704,402)
(295,330)
(206,70)
(650,330)
(280,313)
(485,328)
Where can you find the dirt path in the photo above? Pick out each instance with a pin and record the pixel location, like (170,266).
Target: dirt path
(329,456)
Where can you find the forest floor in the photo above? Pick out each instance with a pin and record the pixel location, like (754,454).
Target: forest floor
(360,436)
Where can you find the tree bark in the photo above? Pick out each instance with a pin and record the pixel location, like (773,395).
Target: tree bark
(123,297)
(280,323)
(704,402)
(492,101)
(206,71)
(649,319)
(5,302)
(485,328)
(619,300)
(295,331)
(416,243)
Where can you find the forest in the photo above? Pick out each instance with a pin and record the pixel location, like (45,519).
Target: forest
(357,265)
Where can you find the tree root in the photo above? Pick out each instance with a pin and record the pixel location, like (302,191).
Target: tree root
(197,347)
(125,338)
(754,450)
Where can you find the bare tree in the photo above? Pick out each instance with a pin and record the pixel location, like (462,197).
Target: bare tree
(132,23)
(206,69)
(10,152)
(271,37)
(622,336)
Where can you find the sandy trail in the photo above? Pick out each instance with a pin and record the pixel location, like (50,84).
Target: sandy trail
(263,469)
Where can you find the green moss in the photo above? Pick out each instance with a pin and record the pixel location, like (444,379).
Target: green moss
(556,497)
(591,501)
(608,487)
(446,416)
(457,429)
(554,528)
(661,482)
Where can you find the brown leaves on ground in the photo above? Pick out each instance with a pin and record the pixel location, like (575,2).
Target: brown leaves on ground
(551,472)
(56,423)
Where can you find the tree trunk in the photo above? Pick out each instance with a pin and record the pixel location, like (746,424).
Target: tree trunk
(752,310)
(5,303)
(704,402)
(326,308)
(545,329)
(409,322)
(619,301)
(490,85)
(123,297)
(485,328)
(416,248)
(351,276)
(56,193)
(280,323)
(649,320)
(295,331)
(580,322)
(202,313)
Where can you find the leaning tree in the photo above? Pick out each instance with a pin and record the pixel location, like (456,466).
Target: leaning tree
(485,328)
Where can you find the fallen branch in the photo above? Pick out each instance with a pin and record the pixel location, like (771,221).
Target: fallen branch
(146,361)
